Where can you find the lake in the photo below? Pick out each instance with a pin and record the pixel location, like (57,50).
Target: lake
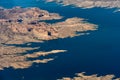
(96,53)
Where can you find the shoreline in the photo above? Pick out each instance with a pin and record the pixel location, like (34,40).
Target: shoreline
(21,25)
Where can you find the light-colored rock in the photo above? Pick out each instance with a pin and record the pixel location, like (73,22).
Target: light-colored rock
(82,76)
(11,56)
(90,3)
(22,25)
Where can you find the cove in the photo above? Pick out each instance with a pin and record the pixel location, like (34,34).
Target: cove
(97,53)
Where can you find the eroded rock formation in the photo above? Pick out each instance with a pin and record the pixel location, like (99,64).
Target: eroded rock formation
(22,25)
(16,57)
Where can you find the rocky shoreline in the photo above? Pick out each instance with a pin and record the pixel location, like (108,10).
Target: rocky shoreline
(82,76)
(22,25)
(90,3)
(26,24)
(11,56)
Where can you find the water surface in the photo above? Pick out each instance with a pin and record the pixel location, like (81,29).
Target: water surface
(97,53)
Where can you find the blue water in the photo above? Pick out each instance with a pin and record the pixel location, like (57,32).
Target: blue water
(97,53)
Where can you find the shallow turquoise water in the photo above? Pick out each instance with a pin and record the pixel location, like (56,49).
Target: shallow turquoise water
(97,53)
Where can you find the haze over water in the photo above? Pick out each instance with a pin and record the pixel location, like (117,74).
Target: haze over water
(97,53)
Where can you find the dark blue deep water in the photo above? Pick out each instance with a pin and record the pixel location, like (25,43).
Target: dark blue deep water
(97,53)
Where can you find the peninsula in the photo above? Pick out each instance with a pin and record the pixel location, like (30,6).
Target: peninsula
(24,25)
